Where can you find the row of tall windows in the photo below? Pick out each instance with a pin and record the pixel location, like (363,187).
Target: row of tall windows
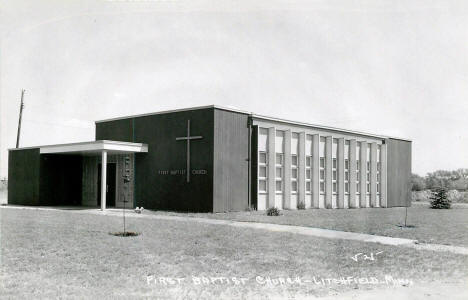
(263,164)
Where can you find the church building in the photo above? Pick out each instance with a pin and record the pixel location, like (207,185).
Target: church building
(214,159)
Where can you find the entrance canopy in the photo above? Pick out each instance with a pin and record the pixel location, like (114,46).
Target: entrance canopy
(102,148)
(95,148)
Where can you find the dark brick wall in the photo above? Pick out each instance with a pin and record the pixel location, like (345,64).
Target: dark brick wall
(118,130)
(23,177)
(161,191)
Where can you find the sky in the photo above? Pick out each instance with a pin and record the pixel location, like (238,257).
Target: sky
(397,68)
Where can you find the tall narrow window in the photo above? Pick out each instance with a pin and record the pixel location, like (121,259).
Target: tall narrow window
(308,169)
(294,174)
(358,168)
(279,161)
(334,165)
(322,165)
(263,160)
(368,169)
(294,161)
(346,167)
(379,153)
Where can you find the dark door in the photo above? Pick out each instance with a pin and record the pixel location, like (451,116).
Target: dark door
(111,179)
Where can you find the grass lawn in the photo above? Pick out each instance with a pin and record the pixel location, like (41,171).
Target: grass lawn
(55,253)
(447,227)
(3,195)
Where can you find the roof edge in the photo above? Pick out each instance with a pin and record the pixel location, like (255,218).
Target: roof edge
(258,117)
(174,111)
(79,143)
(328,128)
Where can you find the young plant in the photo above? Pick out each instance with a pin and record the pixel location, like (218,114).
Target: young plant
(273,211)
(439,199)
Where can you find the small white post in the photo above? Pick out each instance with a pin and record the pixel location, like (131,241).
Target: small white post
(103,179)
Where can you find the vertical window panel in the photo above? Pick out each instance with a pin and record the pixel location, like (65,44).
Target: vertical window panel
(294,143)
(262,185)
(263,139)
(293,186)
(322,164)
(279,141)
(308,145)
(308,186)
(279,186)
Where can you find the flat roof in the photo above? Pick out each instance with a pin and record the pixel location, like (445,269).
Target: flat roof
(258,117)
(174,111)
(92,147)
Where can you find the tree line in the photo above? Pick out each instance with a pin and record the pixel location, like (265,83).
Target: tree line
(451,180)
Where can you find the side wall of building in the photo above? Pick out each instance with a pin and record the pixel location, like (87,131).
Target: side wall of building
(36,179)
(231,165)
(118,130)
(23,177)
(399,173)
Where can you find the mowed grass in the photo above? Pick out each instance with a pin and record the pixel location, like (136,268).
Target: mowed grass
(439,226)
(3,194)
(47,254)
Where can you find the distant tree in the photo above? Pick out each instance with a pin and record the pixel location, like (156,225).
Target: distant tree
(417,182)
(439,199)
(436,179)
(457,179)
(460,184)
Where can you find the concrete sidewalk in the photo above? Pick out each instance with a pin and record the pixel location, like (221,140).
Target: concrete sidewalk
(308,231)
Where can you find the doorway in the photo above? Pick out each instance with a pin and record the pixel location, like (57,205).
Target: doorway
(110,184)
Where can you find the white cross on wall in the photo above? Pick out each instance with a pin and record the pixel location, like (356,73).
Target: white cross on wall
(188,138)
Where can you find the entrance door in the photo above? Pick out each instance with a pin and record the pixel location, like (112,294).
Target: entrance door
(111,179)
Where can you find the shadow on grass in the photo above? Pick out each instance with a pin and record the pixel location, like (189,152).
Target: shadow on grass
(405,226)
(125,234)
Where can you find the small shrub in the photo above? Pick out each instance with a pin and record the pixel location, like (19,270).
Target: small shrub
(273,211)
(439,199)
(301,205)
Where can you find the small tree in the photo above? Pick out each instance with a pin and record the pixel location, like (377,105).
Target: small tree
(439,199)
(301,205)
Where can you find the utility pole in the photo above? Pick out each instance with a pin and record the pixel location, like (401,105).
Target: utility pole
(20,116)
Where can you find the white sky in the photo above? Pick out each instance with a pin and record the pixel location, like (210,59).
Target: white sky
(390,67)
